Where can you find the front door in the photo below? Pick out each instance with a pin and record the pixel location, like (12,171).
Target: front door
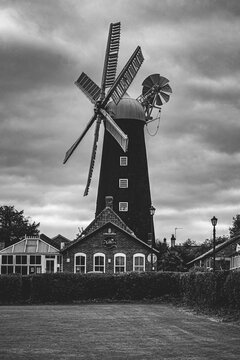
(49,265)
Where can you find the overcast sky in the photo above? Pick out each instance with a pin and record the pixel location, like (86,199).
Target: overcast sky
(194,160)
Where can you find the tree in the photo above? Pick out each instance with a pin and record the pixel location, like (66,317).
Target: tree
(235,229)
(188,250)
(14,226)
(169,258)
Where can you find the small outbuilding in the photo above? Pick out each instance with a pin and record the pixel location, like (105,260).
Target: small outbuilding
(33,255)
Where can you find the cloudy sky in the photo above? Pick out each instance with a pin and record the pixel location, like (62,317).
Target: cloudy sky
(194,160)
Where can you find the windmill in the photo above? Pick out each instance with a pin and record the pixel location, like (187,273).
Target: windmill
(98,96)
(124,119)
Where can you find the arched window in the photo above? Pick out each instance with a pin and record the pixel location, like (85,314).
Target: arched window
(119,263)
(139,262)
(80,263)
(99,262)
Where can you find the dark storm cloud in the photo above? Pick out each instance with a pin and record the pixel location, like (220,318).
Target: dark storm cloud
(26,67)
(142,14)
(211,57)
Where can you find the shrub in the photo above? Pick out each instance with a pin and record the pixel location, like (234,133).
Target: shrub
(204,288)
(232,290)
(10,289)
(212,290)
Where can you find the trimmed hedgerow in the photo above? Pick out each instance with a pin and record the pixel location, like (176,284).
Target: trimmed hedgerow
(204,288)
(65,288)
(212,290)
(232,290)
(10,289)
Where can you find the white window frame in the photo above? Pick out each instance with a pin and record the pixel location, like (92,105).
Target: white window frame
(104,261)
(123,183)
(75,262)
(115,256)
(134,260)
(123,161)
(121,204)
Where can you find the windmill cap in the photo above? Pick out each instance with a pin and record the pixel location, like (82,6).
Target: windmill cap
(127,108)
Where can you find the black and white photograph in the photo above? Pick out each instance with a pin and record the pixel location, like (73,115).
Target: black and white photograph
(119,179)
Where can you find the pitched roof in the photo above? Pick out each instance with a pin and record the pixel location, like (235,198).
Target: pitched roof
(58,240)
(106,215)
(84,237)
(60,237)
(218,248)
(30,245)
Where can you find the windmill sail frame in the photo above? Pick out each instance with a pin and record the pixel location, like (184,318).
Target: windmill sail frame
(117,88)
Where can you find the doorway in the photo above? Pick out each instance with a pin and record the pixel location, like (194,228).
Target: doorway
(49,265)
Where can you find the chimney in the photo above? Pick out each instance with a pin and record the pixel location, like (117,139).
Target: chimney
(165,241)
(150,239)
(109,201)
(173,241)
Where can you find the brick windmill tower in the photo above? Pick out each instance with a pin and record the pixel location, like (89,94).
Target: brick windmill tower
(124,166)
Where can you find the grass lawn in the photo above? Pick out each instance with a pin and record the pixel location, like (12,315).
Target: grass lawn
(113,331)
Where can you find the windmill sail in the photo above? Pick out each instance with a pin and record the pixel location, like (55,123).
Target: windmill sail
(111,57)
(93,156)
(88,87)
(126,77)
(75,145)
(115,131)
(116,89)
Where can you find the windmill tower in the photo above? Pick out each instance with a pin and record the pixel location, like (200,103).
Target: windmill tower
(124,167)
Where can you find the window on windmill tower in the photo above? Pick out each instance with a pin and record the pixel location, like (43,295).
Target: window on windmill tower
(123,206)
(123,183)
(123,160)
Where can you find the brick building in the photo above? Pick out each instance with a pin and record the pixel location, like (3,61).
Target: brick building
(108,245)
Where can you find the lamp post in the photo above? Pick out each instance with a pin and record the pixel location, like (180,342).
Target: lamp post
(214,223)
(152,212)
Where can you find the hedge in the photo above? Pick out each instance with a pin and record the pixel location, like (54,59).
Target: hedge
(213,290)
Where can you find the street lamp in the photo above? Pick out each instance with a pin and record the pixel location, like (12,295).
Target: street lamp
(152,212)
(214,223)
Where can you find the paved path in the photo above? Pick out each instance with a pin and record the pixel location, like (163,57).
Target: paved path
(114,331)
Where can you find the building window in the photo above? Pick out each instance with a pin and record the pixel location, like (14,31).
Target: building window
(7,259)
(80,263)
(21,259)
(21,264)
(123,183)
(123,206)
(7,264)
(123,160)
(35,264)
(138,262)
(22,270)
(99,262)
(119,263)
